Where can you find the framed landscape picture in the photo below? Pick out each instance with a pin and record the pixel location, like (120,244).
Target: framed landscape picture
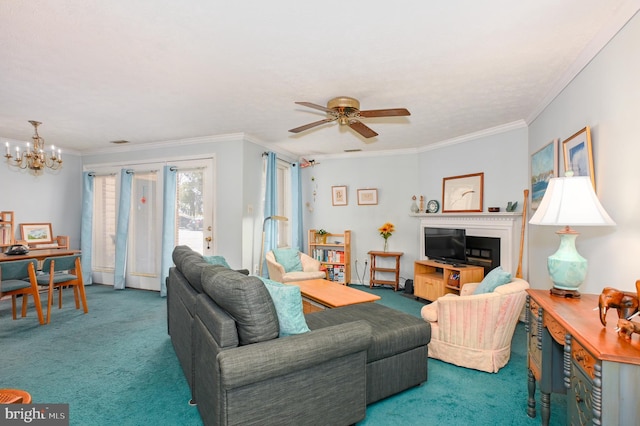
(36,232)
(462,193)
(367,197)
(578,155)
(544,166)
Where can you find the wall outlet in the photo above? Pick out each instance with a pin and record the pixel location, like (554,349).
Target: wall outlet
(256,269)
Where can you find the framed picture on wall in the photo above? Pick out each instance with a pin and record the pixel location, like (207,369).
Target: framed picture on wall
(544,166)
(462,193)
(367,197)
(339,195)
(578,155)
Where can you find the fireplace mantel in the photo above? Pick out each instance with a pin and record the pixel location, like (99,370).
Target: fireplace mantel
(505,226)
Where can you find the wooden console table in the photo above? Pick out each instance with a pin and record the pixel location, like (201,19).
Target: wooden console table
(571,352)
(375,268)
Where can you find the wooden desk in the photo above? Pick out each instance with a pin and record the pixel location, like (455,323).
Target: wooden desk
(39,254)
(570,351)
(374,268)
(321,294)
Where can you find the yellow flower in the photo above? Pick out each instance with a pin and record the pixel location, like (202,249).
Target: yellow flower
(386,230)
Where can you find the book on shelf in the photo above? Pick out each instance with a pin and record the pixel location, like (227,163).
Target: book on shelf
(330,256)
(335,272)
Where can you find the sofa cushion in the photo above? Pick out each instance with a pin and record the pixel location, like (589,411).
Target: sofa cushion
(289,258)
(393,332)
(288,302)
(182,252)
(216,260)
(495,278)
(246,299)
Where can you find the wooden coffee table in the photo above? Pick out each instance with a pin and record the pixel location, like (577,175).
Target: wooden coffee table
(321,294)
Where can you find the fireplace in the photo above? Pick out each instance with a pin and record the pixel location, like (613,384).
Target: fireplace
(492,238)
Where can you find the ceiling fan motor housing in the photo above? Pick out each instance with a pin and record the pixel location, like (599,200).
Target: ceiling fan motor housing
(346,108)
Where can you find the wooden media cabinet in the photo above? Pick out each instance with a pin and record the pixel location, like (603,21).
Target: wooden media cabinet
(433,279)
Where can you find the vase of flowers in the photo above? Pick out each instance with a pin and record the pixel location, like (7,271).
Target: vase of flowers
(385,231)
(321,236)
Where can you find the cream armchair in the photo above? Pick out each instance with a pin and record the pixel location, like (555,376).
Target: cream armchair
(310,269)
(475,331)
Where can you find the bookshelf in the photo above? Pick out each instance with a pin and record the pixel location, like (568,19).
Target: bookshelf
(7,230)
(334,252)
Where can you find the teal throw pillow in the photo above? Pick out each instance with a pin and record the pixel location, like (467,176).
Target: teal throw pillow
(288,302)
(289,258)
(216,260)
(495,278)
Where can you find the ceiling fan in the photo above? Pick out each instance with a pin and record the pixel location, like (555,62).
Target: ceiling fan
(346,111)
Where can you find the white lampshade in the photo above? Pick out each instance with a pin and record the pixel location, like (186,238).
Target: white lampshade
(571,201)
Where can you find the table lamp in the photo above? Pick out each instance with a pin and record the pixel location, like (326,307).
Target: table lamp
(569,201)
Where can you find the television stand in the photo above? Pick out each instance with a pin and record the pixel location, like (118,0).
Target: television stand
(433,279)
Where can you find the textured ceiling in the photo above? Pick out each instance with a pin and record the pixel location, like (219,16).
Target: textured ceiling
(156,70)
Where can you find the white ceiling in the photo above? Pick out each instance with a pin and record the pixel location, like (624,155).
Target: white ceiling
(95,71)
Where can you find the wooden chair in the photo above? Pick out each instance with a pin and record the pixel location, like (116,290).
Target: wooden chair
(13,275)
(14,396)
(59,272)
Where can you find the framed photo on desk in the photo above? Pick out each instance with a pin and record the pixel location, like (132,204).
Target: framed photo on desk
(36,233)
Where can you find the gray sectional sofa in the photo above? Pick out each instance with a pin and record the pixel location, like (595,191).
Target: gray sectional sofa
(224,329)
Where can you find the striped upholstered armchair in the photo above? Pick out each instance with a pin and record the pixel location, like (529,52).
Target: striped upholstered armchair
(475,330)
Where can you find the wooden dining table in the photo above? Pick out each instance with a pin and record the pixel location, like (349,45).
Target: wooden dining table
(39,254)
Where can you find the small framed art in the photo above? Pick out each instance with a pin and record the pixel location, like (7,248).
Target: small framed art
(544,166)
(578,155)
(462,193)
(367,197)
(36,233)
(339,195)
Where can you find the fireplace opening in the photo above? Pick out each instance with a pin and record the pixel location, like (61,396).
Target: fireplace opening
(483,251)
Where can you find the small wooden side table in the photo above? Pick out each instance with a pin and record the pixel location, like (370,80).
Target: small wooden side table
(375,268)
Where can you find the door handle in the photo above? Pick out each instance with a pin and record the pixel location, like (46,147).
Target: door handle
(208,240)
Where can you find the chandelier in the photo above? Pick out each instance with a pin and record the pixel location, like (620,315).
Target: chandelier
(35,158)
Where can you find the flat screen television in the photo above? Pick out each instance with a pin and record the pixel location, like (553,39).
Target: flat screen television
(445,245)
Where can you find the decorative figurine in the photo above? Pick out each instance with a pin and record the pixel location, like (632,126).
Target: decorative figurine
(414,206)
(421,203)
(511,206)
(626,328)
(625,303)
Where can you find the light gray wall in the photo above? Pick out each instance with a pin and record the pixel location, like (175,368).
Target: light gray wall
(53,197)
(605,96)
(502,157)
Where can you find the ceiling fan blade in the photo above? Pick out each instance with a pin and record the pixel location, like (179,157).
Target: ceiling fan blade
(316,106)
(311,125)
(365,131)
(394,112)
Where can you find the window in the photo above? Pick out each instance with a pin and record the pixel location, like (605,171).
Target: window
(104,223)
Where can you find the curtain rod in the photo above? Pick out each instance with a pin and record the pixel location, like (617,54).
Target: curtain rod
(288,162)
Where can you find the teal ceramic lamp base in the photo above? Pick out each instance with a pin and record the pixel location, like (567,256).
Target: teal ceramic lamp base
(566,267)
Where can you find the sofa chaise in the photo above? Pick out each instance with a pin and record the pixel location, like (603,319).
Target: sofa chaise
(240,371)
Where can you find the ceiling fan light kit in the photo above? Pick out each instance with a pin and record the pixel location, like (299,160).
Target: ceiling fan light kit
(346,111)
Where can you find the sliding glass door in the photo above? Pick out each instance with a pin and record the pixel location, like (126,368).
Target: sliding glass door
(194,224)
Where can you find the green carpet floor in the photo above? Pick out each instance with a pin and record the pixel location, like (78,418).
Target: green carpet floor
(116,366)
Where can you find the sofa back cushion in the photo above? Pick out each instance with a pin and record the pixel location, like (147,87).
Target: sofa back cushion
(180,253)
(246,299)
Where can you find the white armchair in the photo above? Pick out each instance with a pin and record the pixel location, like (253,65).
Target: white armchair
(475,331)
(310,269)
